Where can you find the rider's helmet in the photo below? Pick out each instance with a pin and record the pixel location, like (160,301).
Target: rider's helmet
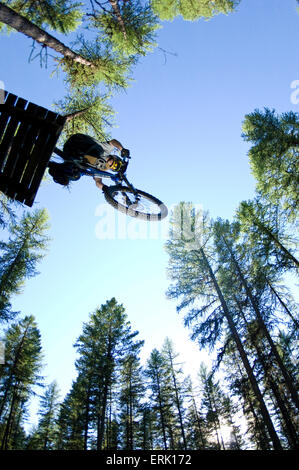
(116,164)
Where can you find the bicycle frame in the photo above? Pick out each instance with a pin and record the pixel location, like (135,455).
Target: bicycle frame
(101,174)
(124,198)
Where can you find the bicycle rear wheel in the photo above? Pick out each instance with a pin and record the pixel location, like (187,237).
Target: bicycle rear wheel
(136,203)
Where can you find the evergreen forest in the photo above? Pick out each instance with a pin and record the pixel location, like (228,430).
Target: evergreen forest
(233,281)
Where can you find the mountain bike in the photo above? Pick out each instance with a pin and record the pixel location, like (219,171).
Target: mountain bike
(122,195)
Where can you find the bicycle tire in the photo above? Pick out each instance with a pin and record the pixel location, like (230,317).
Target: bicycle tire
(137,212)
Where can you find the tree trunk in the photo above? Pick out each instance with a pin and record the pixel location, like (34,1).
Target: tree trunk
(198,424)
(252,379)
(86,424)
(177,400)
(131,443)
(260,431)
(218,425)
(215,422)
(101,416)
(261,438)
(161,412)
(272,237)
(9,423)
(289,427)
(103,395)
(16,359)
(282,302)
(117,13)
(259,317)
(24,26)
(71,116)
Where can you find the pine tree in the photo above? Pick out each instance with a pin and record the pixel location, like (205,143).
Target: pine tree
(283,301)
(25,247)
(241,391)
(121,33)
(211,402)
(61,15)
(87,112)
(176,389)
(196,426)
(229,412)
(45,435)
(130,402)
(164,430)
(257,316)
(128,26)
(74,417)
(169,9)
(266,230)
(270,243)
(106,340)
(7,214)
(15,20)
(273,384)
(147,427)
(227,251)
(193,268)
(113,431)
(274,154)
(155,374)
(19,376)
(19,256)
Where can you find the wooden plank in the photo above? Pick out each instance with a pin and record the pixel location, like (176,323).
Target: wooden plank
(54,136)
(4,115)
(36,154)
(40,154)
(20,158)
(45,156)
(28,145)
(7,141)
(15,160)
(28,139)
(23,144)
(4,119)
(13,187)
(23,115)
(42,166)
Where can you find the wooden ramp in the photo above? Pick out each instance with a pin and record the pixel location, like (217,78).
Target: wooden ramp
(28,135)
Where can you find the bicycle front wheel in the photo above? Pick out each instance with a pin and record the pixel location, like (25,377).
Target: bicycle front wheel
(136,203)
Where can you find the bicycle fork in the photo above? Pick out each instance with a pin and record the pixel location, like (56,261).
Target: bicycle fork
(128,202)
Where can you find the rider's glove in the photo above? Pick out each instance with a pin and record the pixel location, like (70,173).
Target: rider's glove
(125,153)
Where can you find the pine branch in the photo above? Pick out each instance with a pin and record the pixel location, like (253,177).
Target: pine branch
(115,7)
(71,116)
(21,24)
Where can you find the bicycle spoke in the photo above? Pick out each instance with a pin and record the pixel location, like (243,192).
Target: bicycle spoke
(140,203)
(135,203)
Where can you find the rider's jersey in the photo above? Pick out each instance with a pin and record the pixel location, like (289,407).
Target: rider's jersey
(108,149)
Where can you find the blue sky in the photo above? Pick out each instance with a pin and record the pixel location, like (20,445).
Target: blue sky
(181,119)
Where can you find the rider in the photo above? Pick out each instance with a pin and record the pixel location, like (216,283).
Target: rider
(98,154)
